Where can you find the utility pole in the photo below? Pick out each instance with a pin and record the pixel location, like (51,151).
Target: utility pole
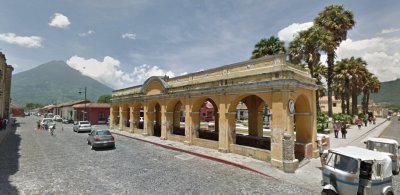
(84,112)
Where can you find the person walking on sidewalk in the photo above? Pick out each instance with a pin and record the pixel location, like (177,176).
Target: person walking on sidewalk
(359,123)
(344,131)
(365,121)
(336,127)
(322,146)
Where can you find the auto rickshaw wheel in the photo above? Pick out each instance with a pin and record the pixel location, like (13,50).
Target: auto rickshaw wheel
(328,192)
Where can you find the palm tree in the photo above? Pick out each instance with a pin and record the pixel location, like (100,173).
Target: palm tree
(269,46)
(306,47)
(359,73)
(372,85)
(318,74)
(342,84)
(336,20)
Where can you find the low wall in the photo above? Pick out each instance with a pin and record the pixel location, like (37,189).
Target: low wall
(260,154)
(205,143)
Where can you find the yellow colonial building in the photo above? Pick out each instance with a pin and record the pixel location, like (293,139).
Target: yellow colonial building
(170,109)
(5,86)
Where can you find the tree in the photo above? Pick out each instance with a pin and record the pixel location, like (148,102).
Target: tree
(372,85)
(337,21)
(269,46)
(349,76)
(104,99)
(318,74)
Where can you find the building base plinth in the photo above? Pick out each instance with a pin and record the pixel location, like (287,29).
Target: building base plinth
(290,166)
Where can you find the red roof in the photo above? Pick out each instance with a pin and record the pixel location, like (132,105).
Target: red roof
(92,105)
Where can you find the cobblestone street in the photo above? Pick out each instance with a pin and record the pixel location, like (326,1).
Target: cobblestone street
(33,162)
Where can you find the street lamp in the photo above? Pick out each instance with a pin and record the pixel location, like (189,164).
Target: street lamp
(84,113)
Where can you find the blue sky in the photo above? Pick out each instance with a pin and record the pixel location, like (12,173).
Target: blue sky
(122,42)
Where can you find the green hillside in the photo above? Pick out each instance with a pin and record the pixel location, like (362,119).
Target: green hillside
(54,82)
(389,93)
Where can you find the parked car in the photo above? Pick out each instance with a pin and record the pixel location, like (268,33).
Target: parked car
(354,170)
(47,122)
(82,126)
(390,147)
(100,138)
(57,118)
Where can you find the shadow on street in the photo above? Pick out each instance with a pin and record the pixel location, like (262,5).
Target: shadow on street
(9,156)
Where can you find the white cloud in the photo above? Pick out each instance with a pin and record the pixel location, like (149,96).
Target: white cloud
(287,34)
(59,21)
(381,54)
(131,36)
(90,32)
(27,41)
(390,30)
(108,71)
(143,72)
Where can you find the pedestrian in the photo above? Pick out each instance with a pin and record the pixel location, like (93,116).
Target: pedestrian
(365,121)
(359,123)
(322,146)
(344,131)
(336,127)
(374,120)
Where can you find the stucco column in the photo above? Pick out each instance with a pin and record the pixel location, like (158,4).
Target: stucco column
(281,124)
(314,123)
(227,134)
(121,118)
(194,126)
(163,124)
(135,119)
(149,123)
(131,126)
(111,122)
(168,123)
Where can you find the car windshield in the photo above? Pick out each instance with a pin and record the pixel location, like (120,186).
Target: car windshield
(381,147)
(84,123)
(106,132)
(346,163)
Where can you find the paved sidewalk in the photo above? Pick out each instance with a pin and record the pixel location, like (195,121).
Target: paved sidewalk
(308,175)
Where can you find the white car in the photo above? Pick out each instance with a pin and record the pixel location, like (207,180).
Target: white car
(82,126)
(57,118)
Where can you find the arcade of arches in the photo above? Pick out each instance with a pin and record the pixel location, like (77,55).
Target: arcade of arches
(203,109)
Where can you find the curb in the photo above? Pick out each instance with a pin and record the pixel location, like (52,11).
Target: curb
(199,155)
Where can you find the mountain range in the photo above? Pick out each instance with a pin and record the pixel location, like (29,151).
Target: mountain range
(389,93)
(52,83)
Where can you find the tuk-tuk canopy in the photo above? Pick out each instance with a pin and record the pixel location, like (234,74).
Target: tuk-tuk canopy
(383,140)
(361,153)
(368,155)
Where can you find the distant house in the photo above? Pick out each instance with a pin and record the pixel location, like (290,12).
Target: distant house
(95,113)
(17,111)
(336,104)
(65,110)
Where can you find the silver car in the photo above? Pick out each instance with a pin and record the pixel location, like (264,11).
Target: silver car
(82,126)
(100,138)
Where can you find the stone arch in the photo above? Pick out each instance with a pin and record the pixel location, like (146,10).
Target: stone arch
(176,114)
(257,114)
(205,118)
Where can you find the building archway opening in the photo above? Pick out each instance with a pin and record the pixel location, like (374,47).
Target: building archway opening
(179,119)
(157,120)
(138,116)
(208,127)
(127,116)
(303,126)
(252,123)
